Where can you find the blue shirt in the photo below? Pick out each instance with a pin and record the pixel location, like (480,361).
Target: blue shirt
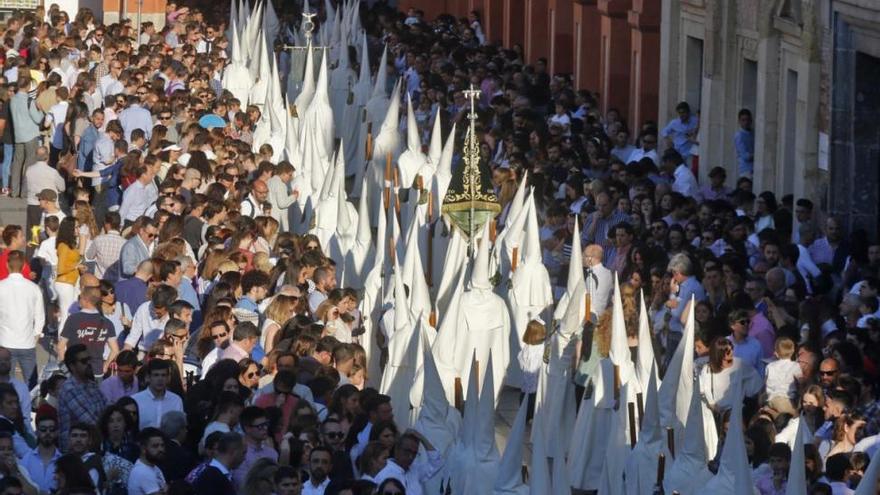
(84,158)
(744,142)
(690,287)
(132,292)
(110,181)
(26,118)
(678,131)
(137,199)
(136,117)
(41,474)
(750,352)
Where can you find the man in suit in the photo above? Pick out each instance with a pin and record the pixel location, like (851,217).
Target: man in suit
(178,460)
(598,279)
(216,479)
(138,248)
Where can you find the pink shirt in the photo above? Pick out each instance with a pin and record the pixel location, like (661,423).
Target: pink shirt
(234,352)
(762,330)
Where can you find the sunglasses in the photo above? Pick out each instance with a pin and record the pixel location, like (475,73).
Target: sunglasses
(828,373)
(85,360)
(219,336)
(743,322)
(263,426)
(252,374)
(178,337)
(47,429)
(335,434)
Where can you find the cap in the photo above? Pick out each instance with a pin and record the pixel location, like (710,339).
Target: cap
(172,147)
(48,195)
(184,159)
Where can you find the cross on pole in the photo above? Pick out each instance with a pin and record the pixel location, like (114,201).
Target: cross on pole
(472,158)
(472,94)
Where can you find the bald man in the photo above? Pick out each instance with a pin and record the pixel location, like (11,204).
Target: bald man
(252,204)
(598,279)
(86,280)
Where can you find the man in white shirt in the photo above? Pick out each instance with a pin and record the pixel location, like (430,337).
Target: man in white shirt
(403,467)
(598,279)
(320,464)
(146,478)
(40,177)
(110,84)
(252,205)
(156,400)
(21,317)
(684,181)
(149,320)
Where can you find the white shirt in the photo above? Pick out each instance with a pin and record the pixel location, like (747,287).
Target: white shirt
(309,489)
(49,252)
(145,328)
(144,480)
(151,408)
(209,360)
(420,471)
(782,378)
(685,183)
(21,312)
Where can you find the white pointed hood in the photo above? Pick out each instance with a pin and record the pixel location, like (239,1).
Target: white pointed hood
(484,445)
(480,275)
(641,465)
(589,442)
(611,482)
(261,72)
(452,264)
(381,75)
(675,390)
(270,23)
(444,345)
(359,258)
(435,148)
(646,364)
(688,469)
(734,476)
(412,159)
(307,91)
(575,272)
(540,482)
(443,171)
(509,481)
(236,77)
(233,20)
(364,78)
(797,472)
(619,352)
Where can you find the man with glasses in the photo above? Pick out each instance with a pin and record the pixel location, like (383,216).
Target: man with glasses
(80,400)
(745,347)
(220,336)
(333,436)
(110,84)
(138,248)
(156,399)
(648,149)
(255,424)
(829,370)
(252,205)
(166,118)
(401,465)
(40,462)
(91,329)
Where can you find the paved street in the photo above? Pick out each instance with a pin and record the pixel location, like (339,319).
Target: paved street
(12,211)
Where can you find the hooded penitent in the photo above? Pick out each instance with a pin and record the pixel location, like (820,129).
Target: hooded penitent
(589,442)
(236,77)
(641,464)
(510,479)
(734,476)
(688,470)
(483,321)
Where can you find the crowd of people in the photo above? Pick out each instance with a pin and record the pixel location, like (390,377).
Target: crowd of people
(173,335)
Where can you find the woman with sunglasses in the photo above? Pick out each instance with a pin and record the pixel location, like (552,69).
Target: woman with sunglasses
(715,377)
(248,373)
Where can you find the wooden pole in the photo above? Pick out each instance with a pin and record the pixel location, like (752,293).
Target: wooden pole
(493,227)
(432,318)
(369,145)
(514,259)
(396,187)
(587,308)
(641,408)
(459,395)
(616,382)
(631,410)
(670,441)
(387,180)
(661,469)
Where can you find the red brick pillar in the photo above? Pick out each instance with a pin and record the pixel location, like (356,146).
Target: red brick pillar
(644,19)
(151,10)
(537,43)
(614,57)
(514,23)
(493,20)
(586,39)
(561,36)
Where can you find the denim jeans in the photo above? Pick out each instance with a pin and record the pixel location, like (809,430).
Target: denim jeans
(27,360)
(6,163)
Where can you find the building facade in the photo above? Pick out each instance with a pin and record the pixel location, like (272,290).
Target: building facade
(807,70)
(611,47)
